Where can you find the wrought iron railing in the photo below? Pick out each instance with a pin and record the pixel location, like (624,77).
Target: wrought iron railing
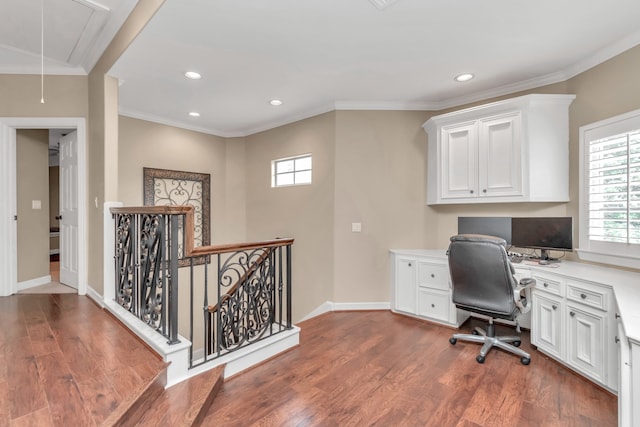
(248,299)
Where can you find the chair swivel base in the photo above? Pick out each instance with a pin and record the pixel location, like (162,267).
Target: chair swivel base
(489,340)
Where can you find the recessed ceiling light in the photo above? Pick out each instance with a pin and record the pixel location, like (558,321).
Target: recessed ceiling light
(275,102)
(463,77)
(194,114)
(192,75)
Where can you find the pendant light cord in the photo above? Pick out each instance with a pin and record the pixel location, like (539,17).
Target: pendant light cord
(42,51)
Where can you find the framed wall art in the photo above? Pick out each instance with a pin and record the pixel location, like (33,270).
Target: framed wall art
(164,187)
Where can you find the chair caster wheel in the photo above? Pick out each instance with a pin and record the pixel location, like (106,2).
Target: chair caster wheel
(525,360)
(453,341)
(480,359)
(516,343)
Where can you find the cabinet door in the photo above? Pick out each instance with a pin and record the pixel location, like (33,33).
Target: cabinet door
(546,331)
(406,285)
(500,156)
(459,161)
(586,341)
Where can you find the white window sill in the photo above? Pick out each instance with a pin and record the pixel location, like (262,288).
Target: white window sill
(619,260)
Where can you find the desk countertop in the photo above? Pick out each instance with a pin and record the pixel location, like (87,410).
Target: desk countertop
(625,284)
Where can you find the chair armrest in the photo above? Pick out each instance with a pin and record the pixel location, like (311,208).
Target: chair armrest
(522,294)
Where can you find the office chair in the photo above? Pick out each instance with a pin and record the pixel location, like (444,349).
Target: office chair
(483,283)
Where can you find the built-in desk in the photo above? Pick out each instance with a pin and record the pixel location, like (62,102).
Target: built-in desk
(585,316)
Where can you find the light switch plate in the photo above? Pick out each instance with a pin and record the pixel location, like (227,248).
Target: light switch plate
(36,204)
(356,227)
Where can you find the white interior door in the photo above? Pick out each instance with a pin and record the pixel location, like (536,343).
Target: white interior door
(69,209)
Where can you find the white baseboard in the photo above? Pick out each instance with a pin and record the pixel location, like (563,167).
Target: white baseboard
(28,284)
(95,296)
(328,306)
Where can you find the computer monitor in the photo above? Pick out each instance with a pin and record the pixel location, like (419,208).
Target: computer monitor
(490,226)
(543,233)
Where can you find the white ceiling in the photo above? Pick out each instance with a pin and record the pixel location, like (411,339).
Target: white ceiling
(76,32)
(317,56)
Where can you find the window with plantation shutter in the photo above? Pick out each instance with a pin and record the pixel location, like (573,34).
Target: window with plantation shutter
(610,191)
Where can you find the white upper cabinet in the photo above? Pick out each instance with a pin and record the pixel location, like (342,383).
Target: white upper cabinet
(508,151)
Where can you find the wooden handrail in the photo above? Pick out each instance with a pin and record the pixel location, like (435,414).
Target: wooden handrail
(189,249)
(166,210)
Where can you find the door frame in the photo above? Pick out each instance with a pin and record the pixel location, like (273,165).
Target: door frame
(8,195)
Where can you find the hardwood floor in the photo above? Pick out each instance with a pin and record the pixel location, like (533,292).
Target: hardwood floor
(377,368)
(65,362)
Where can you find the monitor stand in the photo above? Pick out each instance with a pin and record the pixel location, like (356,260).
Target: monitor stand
(544,256)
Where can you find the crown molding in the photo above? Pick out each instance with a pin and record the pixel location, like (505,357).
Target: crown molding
(224,134)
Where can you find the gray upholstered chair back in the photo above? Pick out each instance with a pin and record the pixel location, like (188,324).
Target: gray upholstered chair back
(482,276)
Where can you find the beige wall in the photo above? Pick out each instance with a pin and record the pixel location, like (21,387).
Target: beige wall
(32,173)
(147,144)
(607,90)
(303,212)
(379,175)
(102,150)
(65,96)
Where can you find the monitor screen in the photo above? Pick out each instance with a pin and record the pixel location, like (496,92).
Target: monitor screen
(546,233)
(490,226)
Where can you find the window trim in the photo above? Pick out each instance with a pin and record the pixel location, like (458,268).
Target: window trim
(617,254)
(300,156)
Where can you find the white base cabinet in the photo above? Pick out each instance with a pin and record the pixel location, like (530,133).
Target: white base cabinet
(421,288)
(584,316)
(571,323)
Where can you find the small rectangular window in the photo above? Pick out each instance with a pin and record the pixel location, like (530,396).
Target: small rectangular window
(291,171)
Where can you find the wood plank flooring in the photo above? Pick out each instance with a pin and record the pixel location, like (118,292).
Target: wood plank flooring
(66,362)
(377,368)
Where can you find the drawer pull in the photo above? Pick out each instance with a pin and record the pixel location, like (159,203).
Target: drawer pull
(572,314)
(555,307)
(583,296)
(617,315)
(545,284)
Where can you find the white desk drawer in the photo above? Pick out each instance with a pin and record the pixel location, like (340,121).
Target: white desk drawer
(588,294)
(552,285)
(434,276)
(434,304)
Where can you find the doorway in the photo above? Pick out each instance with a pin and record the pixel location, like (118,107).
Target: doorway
(8,235)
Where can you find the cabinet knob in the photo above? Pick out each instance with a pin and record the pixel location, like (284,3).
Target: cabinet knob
(572,314)
(617,340)
(583,296)
(409,264)
(471,191)
(545,284)
(433,306)
(433,275)
(484,190)
(617,315)
(555,307)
